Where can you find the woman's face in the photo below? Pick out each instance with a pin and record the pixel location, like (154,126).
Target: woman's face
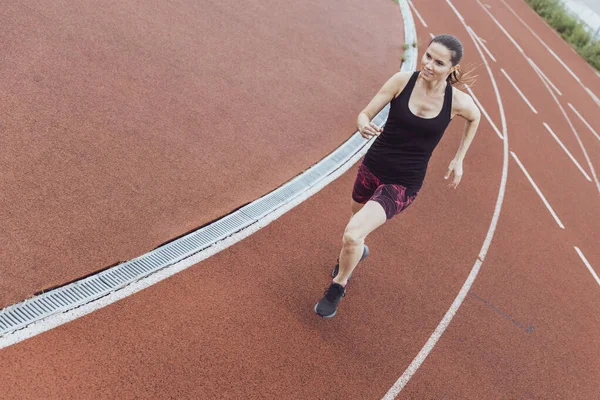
(436,63)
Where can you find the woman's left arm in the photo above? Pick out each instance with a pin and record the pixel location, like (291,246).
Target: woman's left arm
(469,111)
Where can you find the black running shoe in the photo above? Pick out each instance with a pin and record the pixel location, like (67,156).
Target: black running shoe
(327,306)
(336,269)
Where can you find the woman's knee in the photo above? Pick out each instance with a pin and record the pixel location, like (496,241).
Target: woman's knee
(353,237)
(369,218)
(355,232)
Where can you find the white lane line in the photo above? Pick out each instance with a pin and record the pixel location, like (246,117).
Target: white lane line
(592,95)
(485,114)
(513,41)
(584,121)
(539,192)
(439,330)
(540,72)
(585,153)
(518,90)
(553,54)
(417,12)
(502,29)
(568,152)
(587,264)
(501,191)
(481,41)
(432,35)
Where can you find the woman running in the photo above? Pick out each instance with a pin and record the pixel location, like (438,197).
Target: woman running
(422,105)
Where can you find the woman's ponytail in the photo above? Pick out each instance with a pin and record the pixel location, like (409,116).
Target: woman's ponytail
(458,77)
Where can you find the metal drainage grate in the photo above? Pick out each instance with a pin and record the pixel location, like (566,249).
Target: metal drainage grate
(68,297)
(73,295)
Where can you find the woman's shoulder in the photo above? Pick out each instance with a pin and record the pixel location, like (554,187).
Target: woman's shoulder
(461,99)
(400,79)
(462,103)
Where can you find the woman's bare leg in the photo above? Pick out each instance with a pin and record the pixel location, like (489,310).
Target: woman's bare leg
(368,218)
(355,207)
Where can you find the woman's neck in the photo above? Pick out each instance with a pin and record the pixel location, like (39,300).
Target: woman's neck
(433,88)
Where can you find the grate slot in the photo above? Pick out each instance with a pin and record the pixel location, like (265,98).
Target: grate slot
(66,298)
(31,312)
(41,303)
(56,301)
(3,325)
(36,305)
(87,293)
(12,318)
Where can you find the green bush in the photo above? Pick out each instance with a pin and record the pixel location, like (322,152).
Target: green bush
(579,37)
(546,8)
(591,53)
(563,23)
(569,28)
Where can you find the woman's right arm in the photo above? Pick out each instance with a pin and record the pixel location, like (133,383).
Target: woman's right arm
(388,91)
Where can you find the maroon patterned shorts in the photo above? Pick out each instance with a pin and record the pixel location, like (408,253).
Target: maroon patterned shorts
(393,198)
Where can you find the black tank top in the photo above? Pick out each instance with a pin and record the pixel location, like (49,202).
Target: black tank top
(401,153)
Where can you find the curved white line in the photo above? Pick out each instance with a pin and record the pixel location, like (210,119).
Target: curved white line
(587,264)
(439,330)
(484,112)
(584,121)
(525,99)
(548,81)
(585,153)
(538,191)
(416,12)
(543,78)
(567,151)
(489,53)
(592,95)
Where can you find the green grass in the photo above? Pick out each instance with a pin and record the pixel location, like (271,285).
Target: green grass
(569,28)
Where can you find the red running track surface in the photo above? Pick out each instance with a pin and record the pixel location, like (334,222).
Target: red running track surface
(240,324)
(126,124)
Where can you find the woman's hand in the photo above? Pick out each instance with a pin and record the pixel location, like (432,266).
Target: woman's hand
(369,130)
(456,167)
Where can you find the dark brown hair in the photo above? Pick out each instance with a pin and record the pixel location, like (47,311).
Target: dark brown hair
(456,48)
